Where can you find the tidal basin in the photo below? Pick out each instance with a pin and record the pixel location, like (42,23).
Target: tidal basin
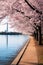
(10,46)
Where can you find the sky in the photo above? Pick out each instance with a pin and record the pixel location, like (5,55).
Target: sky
(3,25)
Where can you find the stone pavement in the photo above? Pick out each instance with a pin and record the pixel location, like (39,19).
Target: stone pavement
(33,54)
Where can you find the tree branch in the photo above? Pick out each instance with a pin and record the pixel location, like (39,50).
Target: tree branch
(33,7)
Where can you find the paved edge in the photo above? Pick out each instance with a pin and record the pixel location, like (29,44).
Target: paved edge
(20,54)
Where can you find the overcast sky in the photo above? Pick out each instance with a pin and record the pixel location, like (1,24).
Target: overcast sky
(3,25)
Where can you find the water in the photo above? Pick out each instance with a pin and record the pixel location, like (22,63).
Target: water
(10,46)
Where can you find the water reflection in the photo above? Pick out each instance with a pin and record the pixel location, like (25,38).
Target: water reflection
(10,46)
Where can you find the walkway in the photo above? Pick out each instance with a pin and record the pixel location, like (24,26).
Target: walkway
(33,54)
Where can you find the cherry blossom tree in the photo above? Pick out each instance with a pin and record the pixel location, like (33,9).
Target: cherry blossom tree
(21,15)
